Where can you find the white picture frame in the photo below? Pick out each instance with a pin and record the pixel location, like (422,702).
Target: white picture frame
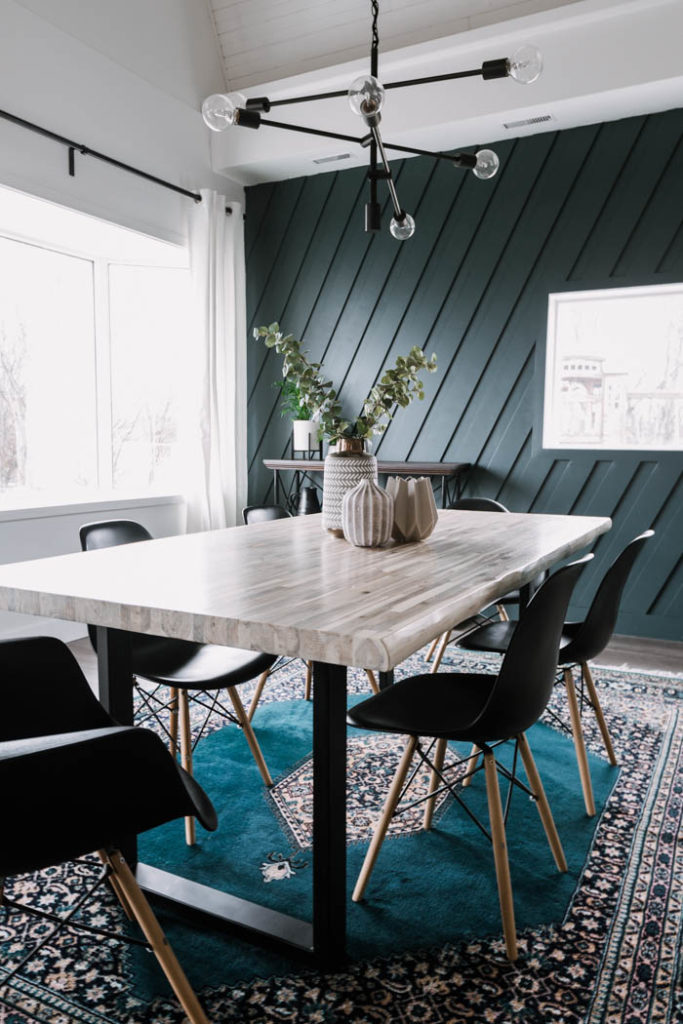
(614,369)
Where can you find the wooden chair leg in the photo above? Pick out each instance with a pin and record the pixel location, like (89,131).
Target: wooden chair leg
(471,765)
(125,881)
(434,782)
(432,647)
(186,755)
(542,804)
(173,723)
(309,679)
(374,685)
(443,643)
(500,855)
(579,744)
(257,693)
(383,823)
(597,707)
(114,883)
(502,613)
(249,735)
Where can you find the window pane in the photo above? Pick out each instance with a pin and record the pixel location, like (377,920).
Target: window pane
(149,316)
(48,433)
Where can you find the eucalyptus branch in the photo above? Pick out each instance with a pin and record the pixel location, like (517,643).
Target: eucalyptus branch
(395,389)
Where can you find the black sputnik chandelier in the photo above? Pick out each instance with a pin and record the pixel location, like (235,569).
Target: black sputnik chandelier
(366,97)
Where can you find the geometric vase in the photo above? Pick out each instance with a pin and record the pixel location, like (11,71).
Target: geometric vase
(367,515)
(415,514)
(343,470)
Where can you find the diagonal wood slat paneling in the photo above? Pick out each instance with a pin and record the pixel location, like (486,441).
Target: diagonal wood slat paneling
(593,207)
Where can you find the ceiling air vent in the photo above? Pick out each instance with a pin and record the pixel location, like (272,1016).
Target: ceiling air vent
(541,119)
(332,159)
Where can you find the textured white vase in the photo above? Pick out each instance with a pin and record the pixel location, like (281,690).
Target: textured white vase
(415,514)
(367,515)
(343,470)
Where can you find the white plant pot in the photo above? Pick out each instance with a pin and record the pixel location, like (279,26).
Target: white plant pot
(304,435)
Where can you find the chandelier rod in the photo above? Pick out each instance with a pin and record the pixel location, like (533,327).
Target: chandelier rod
(361,141)
(387,85)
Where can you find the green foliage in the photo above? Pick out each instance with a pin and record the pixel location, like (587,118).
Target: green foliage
(292,402)
(396,387)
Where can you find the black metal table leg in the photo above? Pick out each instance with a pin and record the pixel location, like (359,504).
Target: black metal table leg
(386,679)
(115,680)
(329,814)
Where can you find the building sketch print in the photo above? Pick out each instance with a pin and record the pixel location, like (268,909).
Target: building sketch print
(614,369)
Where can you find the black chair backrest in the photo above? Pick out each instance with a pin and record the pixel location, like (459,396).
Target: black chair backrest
(479,505)
(596,629)
(527,673)
(109,533)
(263,513)
(43,691)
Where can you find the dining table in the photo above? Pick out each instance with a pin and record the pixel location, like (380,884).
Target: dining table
(290,588)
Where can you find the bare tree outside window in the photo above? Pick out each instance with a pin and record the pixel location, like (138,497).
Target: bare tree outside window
(12,407)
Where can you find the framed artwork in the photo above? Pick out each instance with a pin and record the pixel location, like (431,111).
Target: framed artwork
(614,369)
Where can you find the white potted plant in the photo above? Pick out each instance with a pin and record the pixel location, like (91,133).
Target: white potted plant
(347,466)
(304,425)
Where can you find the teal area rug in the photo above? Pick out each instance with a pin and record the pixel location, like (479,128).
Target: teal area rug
(599,945)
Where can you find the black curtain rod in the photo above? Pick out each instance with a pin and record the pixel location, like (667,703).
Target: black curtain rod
(86,151)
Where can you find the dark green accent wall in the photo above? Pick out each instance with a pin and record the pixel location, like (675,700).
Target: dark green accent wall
(593,207)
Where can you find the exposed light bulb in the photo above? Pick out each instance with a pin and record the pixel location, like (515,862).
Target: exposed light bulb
(487,164)
(366,96)
(219,110)
(525,64)
(402,227)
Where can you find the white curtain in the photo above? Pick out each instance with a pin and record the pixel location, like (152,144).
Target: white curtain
(217,490)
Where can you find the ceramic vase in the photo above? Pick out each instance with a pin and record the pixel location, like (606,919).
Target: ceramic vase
(415,514)
(367,515)
(343,470)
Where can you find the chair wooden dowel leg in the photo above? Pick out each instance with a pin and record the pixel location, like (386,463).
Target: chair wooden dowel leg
(186,755)
(383,823)
(597,707)
(579,743)
(542,804)
(173,723)
(156,938)
(434,782)
(471,765)
(441,650)
(500,855)
(502,613)
(309,679)
(257,693)
(249,735)
(432,647)
(374,685)
(116,887)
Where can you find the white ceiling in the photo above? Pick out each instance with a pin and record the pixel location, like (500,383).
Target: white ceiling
(265,40)
(604,59)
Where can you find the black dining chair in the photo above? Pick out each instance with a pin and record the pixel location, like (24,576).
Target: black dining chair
(253,514)
(73,782)
(485,711)
(186,667)
(516,598)
(580,643)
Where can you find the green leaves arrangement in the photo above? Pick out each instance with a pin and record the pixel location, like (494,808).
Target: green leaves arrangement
(396,387)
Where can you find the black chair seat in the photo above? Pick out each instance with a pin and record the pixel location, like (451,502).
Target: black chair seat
(185,664)
(94,794)
(442,705)
(493,638)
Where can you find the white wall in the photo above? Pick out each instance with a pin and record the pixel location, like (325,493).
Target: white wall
(53,79)
(41,532)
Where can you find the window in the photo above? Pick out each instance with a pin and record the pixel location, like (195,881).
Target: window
(94,328)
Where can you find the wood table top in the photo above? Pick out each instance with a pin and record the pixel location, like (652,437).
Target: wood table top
(400,468)
(288,587)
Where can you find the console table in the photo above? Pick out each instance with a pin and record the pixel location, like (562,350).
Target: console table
(451,475)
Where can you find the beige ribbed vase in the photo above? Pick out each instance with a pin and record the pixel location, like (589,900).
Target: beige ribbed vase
(343,470)
(367,515)
(415,514)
